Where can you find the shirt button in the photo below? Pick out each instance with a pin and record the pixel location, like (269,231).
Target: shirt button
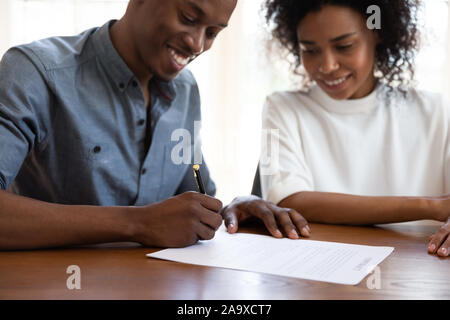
(121,85)
(134,83)
(141,122)
(97,149)
(144,171)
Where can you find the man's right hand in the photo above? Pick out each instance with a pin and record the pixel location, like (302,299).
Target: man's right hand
(177,222)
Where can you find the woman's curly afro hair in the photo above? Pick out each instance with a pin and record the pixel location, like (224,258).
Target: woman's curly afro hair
(399,34)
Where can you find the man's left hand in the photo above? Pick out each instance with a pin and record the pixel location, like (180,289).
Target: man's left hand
(274,218)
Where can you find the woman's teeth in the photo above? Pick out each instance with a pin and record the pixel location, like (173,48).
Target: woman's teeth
(335,82)
(181,60)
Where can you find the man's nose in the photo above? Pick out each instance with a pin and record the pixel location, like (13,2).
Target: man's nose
(329,63)
(196,41)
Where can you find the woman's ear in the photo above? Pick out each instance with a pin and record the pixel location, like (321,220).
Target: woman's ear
(377,37)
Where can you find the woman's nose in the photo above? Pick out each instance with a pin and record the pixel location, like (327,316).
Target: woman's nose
(329,64)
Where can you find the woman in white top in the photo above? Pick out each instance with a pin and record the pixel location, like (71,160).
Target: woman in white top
(360,146)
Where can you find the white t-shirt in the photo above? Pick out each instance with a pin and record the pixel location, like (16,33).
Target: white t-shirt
(362,147)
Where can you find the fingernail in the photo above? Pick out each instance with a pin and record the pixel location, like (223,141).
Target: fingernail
(305,232)
(294,234)
(444,251)
(230,227)
(432,248)
(309,229)
(278,234)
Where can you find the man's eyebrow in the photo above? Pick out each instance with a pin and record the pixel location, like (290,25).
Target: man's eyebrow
(201,13)
(332,40)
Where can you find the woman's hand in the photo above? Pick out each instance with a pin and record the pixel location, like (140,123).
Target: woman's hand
(440,241)
(275,218)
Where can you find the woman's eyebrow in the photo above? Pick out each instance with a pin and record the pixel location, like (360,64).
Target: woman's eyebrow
(342,37)
(339,38)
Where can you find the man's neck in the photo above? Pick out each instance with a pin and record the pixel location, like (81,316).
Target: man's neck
(125,47)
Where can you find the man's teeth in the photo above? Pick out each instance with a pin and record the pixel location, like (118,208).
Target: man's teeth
(335,82)
(181,60)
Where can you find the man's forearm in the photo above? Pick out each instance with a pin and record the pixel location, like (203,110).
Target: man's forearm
(333,208)
(30,224)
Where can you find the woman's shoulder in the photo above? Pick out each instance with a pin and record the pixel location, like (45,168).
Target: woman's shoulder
(291,94)
(421,95)
(420,100)
(285,106)
(410,93)
(289,99)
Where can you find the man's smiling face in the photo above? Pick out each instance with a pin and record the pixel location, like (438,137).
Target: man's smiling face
(169,34)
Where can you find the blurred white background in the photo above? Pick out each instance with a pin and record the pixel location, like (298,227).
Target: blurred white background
(234,77)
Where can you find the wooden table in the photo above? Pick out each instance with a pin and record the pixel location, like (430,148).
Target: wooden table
(122,271)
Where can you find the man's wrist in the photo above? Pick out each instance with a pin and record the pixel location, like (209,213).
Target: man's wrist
(128,223)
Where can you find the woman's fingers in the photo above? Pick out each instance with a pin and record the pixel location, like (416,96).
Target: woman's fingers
(444,249)
(440,241)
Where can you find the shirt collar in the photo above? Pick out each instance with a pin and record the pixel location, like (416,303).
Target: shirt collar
(116,67)
(348,106)
(165,89)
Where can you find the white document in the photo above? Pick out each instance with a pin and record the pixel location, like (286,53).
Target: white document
(306,259)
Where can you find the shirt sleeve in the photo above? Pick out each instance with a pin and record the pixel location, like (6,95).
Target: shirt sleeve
(447,148)
(283,167)
(23,97)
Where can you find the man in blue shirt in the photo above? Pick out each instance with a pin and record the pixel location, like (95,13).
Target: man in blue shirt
(86,134)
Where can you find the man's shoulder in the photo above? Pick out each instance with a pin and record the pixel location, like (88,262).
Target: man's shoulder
(186,89)
(185,77)
(58,52)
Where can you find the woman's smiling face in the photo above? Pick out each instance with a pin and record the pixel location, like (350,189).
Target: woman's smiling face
(338,51)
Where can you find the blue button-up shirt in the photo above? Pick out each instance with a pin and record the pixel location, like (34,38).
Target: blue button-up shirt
(73,125)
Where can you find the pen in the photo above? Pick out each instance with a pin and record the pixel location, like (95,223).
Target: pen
(198,178)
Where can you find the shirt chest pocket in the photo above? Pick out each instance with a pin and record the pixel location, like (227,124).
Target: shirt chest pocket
(97,171)
(81,152)
(98,154)
(108,159)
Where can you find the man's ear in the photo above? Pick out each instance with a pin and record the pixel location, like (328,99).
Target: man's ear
(135,3)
